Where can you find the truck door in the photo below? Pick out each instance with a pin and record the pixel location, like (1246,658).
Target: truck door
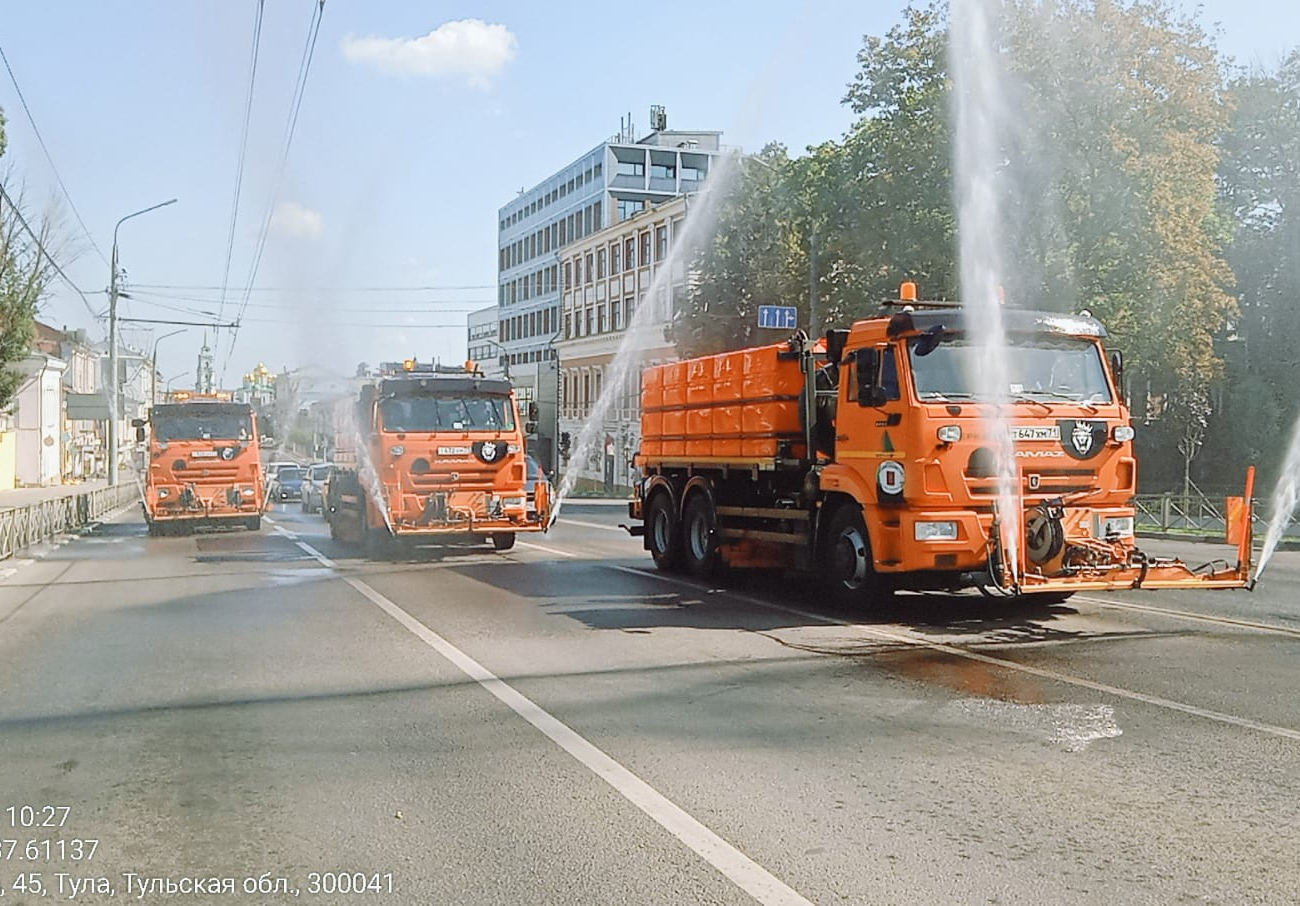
(871,426)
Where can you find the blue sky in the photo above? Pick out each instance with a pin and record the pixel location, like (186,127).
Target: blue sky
(404,148)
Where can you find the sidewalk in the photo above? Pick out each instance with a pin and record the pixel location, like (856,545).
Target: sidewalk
(19,497)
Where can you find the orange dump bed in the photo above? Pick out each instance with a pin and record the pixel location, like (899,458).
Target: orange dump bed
(734,405)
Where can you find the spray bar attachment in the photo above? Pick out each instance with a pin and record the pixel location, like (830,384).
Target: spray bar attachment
(1060,553)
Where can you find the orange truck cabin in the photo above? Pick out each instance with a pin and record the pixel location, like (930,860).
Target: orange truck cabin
(869,459)
(204,466)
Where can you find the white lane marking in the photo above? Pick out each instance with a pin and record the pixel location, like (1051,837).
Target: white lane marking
(906,639)
(1192,615)
(608,528)
(549,550)
(743,871)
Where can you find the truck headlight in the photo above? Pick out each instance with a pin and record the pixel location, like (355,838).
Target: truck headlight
(248,492)
(164,493)
(935,531)
(397,449)
(1114,526)
(514,502)
(950,434)
(1123,433)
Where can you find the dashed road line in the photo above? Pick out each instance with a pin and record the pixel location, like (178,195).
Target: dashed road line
(542,547)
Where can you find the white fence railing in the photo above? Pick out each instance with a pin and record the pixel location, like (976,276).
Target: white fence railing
(23,526)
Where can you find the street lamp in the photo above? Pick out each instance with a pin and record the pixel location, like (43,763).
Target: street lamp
(115,386)
(505,356)
(153,363)
(174,378)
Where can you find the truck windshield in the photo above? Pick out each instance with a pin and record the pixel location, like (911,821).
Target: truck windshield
(218,426)
(447,413)
(1039,368)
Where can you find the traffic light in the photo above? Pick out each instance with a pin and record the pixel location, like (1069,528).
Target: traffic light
(564,442)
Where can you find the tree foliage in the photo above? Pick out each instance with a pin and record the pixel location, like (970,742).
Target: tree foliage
(25,271)
(1109,183)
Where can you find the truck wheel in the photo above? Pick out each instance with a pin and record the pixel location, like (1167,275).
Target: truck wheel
(254,523)
(503,541)
(663,533)
(850,571)
(698,538)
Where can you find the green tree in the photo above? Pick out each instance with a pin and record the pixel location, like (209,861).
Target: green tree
(751,258)
(1259,182)
(25,272)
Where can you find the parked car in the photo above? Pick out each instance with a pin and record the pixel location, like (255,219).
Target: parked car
(313,487)
(287,483)
(533,476)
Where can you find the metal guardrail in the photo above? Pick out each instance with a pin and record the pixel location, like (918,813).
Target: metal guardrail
(21,527)
(1196,513)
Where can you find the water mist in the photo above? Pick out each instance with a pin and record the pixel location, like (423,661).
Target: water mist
(644,328)
(983,122)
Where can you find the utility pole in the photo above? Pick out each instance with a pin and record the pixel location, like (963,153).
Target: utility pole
(812,281)
(114,383)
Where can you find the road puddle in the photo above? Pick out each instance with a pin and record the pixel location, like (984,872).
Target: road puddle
(1072,727)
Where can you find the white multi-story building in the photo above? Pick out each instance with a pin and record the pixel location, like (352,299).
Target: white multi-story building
(609,184)
(608,277)
(481,343)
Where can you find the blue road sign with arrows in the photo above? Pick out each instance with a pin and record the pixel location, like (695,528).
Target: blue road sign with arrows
(782,317)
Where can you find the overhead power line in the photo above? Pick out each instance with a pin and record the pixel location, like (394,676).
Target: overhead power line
(41,141)
(44,251)
(300,90)
(243,153)
(431,287)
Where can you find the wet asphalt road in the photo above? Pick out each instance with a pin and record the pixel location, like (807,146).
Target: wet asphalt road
(562,724)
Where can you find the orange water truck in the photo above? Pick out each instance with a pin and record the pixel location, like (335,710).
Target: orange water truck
(204,464)
(869,459)
(428,452)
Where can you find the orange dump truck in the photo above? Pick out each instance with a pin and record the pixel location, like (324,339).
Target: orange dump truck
(430,452)
(869,458)
(204,466)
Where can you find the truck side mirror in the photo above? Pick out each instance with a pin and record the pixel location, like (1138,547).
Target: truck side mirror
(835,341)
(1117,369)
(533,414)
(139,432)
(870,393)
(137,423)
(530,427)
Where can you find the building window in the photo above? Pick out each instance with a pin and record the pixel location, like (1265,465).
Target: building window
(595,171)
(568,275)
(577,270)
(645,248)
(629,304)
(661,243)
(568,325)
(596,222)
(600,263)
(663,171)
(615,259)
(591,270)
(601,321)
(631,168)
(629,252)
(591,321)
(629,207)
